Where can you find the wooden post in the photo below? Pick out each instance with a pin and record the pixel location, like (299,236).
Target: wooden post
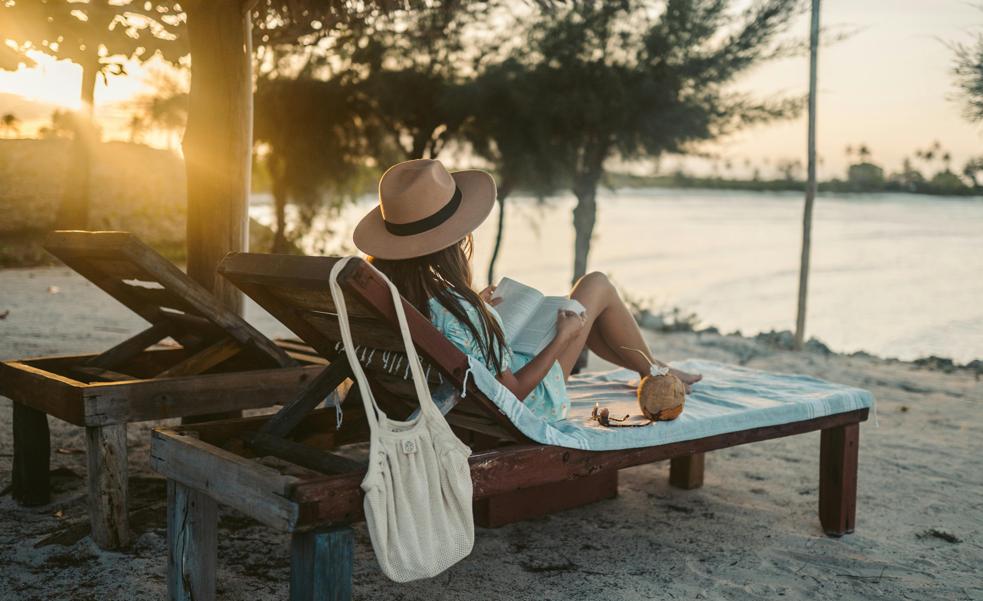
(686,472)
(838,450)
(192,527)
(106,448)
(218,139)
(800,317)
(32,452)
(321,565)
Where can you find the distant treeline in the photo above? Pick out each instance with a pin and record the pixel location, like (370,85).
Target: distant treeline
(684,180)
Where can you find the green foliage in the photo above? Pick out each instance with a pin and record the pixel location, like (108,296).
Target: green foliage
(865,176)
(968,73)
(947,182)
(407,68)
(972,169)
(100,35)
(315,147)
(622,79)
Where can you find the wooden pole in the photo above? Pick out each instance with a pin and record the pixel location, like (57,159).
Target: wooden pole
(192,543)
(800,319)
(218,139)
(108,486)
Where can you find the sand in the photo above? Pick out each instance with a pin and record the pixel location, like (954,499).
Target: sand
(751,532)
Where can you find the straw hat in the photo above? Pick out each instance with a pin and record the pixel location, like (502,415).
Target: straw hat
(424,208)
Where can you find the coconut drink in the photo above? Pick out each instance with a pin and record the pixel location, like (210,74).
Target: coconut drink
(661,395)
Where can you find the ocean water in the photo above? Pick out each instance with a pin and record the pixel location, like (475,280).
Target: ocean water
(894,275)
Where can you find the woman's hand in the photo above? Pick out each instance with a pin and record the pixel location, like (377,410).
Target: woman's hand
(486,296)
(568,325)
(522,382)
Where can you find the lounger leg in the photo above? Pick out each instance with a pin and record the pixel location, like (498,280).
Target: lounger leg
(191,544)
(321,565)
(686,472)
(838,479)
(106,448)
(32,454)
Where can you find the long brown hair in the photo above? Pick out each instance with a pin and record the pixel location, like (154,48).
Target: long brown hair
(446,276)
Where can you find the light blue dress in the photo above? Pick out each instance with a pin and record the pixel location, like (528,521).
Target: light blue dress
(549,399)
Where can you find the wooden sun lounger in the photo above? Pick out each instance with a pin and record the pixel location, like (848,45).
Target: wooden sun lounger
(296,472)
(220,364)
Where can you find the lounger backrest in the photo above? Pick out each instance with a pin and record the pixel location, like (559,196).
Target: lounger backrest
(154,288)
(296,291)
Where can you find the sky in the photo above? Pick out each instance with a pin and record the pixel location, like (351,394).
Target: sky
(888,86)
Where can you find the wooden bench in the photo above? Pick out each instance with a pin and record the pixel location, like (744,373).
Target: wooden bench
(219,363)
(298,473)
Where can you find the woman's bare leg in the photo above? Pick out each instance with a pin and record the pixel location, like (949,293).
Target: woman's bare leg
(610,330)
(600,347)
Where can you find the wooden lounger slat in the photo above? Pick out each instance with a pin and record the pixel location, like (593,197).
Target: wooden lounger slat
(303,455)
(266,278)
(313,394)
(258,491)
(102,258)
(372,333)
(204,359)
(105,375)
(132,346)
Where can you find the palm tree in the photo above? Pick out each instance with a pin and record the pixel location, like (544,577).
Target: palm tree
(136,127)
(863,152)
(800,318)
(10,123)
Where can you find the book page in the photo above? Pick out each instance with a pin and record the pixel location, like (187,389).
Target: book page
(541,327)
(519,303)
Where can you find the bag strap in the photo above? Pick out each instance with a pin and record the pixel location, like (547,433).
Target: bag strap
(372,409)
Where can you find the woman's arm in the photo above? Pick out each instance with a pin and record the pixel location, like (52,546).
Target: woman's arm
(524,381)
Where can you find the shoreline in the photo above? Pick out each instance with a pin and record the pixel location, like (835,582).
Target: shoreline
(665,322)
(67,282)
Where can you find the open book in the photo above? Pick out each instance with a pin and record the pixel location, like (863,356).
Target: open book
(529,316)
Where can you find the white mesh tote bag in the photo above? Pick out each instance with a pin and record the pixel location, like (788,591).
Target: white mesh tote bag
(418,485)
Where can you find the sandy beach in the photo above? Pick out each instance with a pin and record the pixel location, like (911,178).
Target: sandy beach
(751,532)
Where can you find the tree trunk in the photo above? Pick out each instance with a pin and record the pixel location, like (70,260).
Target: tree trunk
(73,213)
(280,211)
(218,140)
(503,193)
(800,318)
(584,217)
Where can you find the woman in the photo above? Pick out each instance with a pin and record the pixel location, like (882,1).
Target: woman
(420,237)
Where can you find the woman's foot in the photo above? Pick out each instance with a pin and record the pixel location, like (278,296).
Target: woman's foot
(686,378)
(661,397)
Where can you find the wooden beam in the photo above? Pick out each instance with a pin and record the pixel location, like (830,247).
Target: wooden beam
(686,472)
(107,478)
(838,450)
(30,485)
(103,375)
(131,347)
(256,490)
(314,393)
(303,455)
(179,397)
(321,563)
(192,542)
(43,390)
(203,360)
